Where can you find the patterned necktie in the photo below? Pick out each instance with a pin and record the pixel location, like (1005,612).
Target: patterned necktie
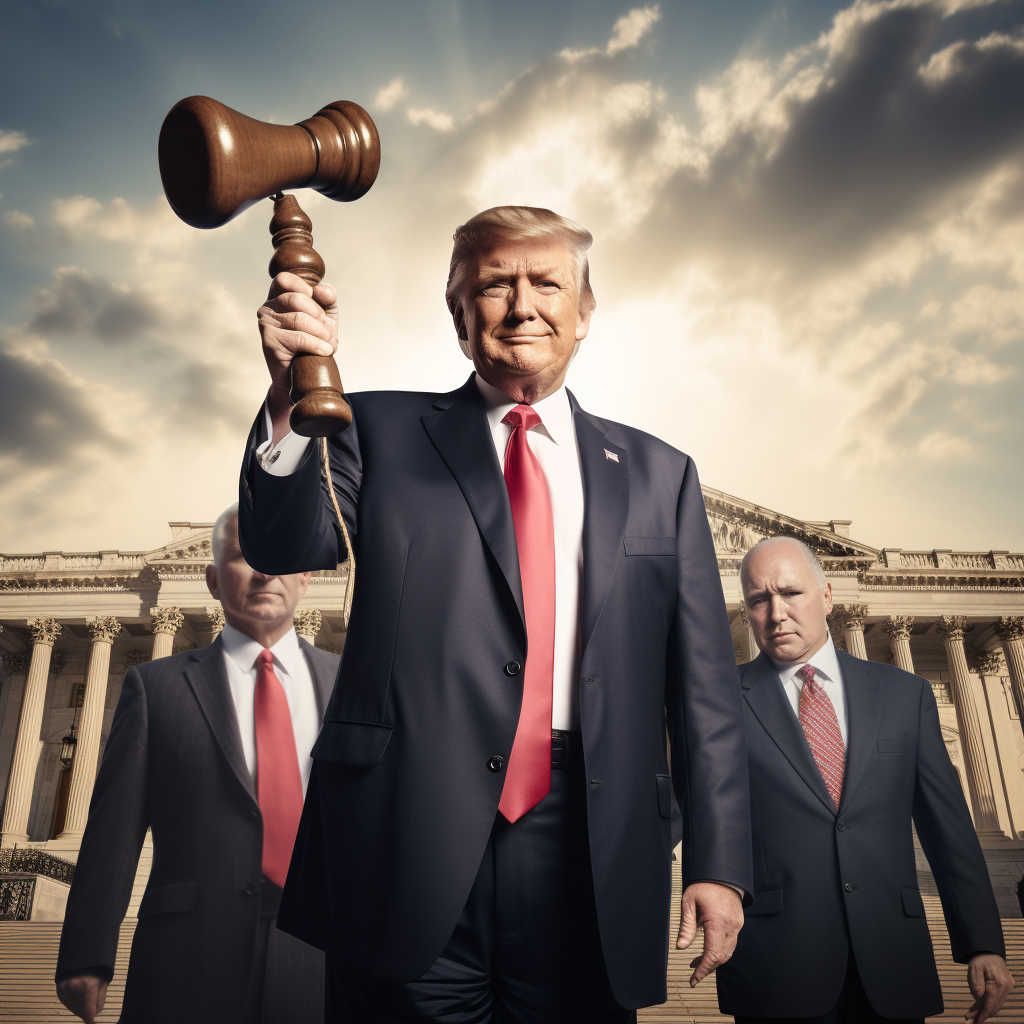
(821,727)
(278,780)
(529,766)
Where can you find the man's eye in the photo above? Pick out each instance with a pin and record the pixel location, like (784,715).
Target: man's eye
(495,291)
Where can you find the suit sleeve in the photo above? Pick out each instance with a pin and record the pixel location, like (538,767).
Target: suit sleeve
(704,710)
(287,524)
(951,845)
(109,857)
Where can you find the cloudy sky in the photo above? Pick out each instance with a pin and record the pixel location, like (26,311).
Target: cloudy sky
(808,257)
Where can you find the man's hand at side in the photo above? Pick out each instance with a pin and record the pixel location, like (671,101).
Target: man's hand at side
(83,994)
(295,319)
(717,909)
(990,982)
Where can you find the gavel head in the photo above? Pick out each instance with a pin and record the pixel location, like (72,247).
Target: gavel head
(215,162)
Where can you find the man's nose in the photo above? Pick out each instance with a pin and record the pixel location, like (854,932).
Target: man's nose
(777,608)
(523,305)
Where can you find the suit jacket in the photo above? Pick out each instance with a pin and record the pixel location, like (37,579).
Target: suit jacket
(174,763)
(829,884)
(401,801)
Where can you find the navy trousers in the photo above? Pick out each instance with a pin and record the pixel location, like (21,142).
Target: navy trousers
(852,1008)
(526,949)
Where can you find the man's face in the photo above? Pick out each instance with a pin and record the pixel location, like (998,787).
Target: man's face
(251,599)
(520,311)
(786,608)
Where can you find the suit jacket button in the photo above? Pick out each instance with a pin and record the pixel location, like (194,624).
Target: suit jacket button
(496,763)
(250,889)
(842,827)
(513,668)
(848,887)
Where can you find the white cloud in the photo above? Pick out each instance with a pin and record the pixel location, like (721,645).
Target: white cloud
(12,141)
(18,220)
(388,95)
(631,28)
(432,118)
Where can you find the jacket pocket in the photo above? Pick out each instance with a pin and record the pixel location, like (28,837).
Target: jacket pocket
(649,545)
(913,905)
(767,901)
(173,898)
(895,746)
(354,744)
(664,795)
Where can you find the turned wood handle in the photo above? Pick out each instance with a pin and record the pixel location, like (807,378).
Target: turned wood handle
(319,407)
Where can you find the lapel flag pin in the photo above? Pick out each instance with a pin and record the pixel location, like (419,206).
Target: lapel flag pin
(611,455)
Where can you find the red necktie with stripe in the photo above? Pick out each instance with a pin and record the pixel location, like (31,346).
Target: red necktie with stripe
(821,727)
(278,780)
(528,778)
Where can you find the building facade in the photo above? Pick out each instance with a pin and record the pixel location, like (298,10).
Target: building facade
(72,623)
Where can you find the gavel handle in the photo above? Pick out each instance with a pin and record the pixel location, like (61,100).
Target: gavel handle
(319,408)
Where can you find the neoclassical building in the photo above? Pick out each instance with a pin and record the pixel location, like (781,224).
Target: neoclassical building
(72,623)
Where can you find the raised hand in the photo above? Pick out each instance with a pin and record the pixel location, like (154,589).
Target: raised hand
(296,318)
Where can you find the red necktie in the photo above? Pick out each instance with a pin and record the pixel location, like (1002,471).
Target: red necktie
(821,727)
(278,781)
(529,766)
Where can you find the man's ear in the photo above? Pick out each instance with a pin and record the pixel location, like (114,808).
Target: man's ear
(459,319)
(212,583)
(583,326)
(827,595)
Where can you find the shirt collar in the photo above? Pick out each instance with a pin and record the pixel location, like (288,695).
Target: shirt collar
(555,412)
(244,651)
(825,662)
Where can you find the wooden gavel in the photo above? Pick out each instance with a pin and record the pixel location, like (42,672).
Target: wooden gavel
(216,162)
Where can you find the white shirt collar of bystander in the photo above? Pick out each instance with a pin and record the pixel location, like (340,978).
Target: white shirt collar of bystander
(244,651)
(825,662)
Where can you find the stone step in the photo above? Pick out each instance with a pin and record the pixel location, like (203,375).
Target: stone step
(28,952)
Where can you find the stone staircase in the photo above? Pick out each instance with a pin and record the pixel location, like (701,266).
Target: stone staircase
(28,952)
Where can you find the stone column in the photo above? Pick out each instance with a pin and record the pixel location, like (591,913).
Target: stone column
(1010,631)
(849,619)
(898,628)
(166,622)
(747,642)
(83,772)
(208,625)
(28,745)
(979,782)
(307,624)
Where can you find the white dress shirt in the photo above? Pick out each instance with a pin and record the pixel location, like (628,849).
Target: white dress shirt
(291,667)
(826,672)
(553,441)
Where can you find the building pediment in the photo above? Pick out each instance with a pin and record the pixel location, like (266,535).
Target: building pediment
(737,525)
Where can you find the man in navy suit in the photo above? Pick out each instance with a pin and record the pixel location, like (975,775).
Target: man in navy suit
(486,834)
(844,755)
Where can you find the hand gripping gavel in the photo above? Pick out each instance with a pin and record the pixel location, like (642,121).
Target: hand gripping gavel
(216,162)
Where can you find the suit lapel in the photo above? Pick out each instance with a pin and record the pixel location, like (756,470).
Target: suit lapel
(763,692)
(324,671)
(462,438)
(606,506)
(208,678)
(863,696)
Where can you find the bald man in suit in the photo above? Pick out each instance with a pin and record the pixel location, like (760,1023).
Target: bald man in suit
(845,756)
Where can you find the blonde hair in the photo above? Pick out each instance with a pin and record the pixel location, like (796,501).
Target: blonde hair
(514,224)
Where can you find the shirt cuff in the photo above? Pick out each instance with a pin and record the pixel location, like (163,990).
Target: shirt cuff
(284,458)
